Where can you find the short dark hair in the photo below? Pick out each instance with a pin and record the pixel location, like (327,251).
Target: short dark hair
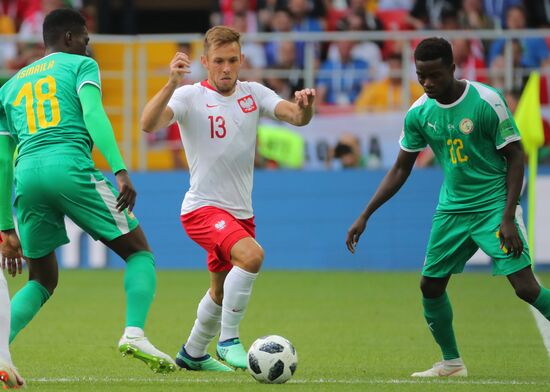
(58,22)
(434,48)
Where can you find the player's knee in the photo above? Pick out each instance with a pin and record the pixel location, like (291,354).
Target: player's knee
(430,290)
(528,293)
(252,260)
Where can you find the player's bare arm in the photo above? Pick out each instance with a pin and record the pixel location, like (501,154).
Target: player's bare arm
(12,254)
(392,182)
(157,114)
(509,236)
(300,112)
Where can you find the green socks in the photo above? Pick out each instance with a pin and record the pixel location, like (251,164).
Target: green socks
(542,303)
(140,282)
(439,316)
(25,304)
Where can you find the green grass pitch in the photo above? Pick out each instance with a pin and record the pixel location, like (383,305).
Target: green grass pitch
(354,331)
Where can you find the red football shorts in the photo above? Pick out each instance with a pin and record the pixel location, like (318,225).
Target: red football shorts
(216,231)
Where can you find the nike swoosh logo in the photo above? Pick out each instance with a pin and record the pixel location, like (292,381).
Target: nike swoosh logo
(211,106)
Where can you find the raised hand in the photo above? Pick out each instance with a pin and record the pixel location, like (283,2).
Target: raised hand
(179,66)
(305,98)
(12,254)
(127,193)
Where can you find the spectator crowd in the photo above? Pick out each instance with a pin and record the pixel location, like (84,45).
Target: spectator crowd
(364,76)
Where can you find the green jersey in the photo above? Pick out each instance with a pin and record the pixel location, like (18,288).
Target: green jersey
(465,137)
(41,109)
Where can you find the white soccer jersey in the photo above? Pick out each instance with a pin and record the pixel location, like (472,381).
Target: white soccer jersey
(219,137)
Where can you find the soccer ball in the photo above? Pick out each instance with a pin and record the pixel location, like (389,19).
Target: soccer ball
(272,359)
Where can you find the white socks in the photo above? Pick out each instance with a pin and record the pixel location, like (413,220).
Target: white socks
(207,326)
(5,318)
(236,293)
(134,332)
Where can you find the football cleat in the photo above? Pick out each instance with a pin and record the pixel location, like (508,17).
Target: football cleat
(450,368)
(232,352)
(9,377)
(206,363)
(142,349)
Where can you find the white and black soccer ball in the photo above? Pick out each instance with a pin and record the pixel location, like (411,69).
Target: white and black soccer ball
(272,359)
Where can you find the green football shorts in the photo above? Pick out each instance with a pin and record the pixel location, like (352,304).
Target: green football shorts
(47,189)
(456,237)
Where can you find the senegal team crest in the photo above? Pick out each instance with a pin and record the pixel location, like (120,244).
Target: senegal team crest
(247,104)
(466,126)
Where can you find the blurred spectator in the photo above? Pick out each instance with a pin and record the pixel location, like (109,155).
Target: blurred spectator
(254,54)
(340,81)
(366,51)
(281,23)
(449,19)
(387,94)
(347,153)
(538,12)
(469,60)
(30,47)
(534,50)
(426,14)
(498,66)
(8,50)
(286,86)
(394,5)
(473,16)
(496,10)
(31,25)
(225,11)
(369,21)
(266,12)
(198,73)
(303,20)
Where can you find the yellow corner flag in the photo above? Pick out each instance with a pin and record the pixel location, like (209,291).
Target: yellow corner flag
(529,121)
(528,117)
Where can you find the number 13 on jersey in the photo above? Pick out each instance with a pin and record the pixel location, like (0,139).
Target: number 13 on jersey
(217,127)
(44,91)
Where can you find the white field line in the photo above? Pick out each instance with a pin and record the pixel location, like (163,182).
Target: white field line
(68,380)
(543,326)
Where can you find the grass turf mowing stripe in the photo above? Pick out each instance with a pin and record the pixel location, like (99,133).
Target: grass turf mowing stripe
(293,381)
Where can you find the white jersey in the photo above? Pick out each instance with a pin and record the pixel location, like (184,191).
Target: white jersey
(219,137)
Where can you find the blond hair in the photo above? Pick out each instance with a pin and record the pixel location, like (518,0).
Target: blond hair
(220,35)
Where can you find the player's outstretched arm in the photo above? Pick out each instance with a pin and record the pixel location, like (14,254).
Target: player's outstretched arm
(300,112)
(156,114)
(509,236)
(392,182)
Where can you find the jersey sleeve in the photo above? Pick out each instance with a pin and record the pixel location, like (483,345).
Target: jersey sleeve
(411,139)
(267,99)
(499,122)
(179,103)
(88,73)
